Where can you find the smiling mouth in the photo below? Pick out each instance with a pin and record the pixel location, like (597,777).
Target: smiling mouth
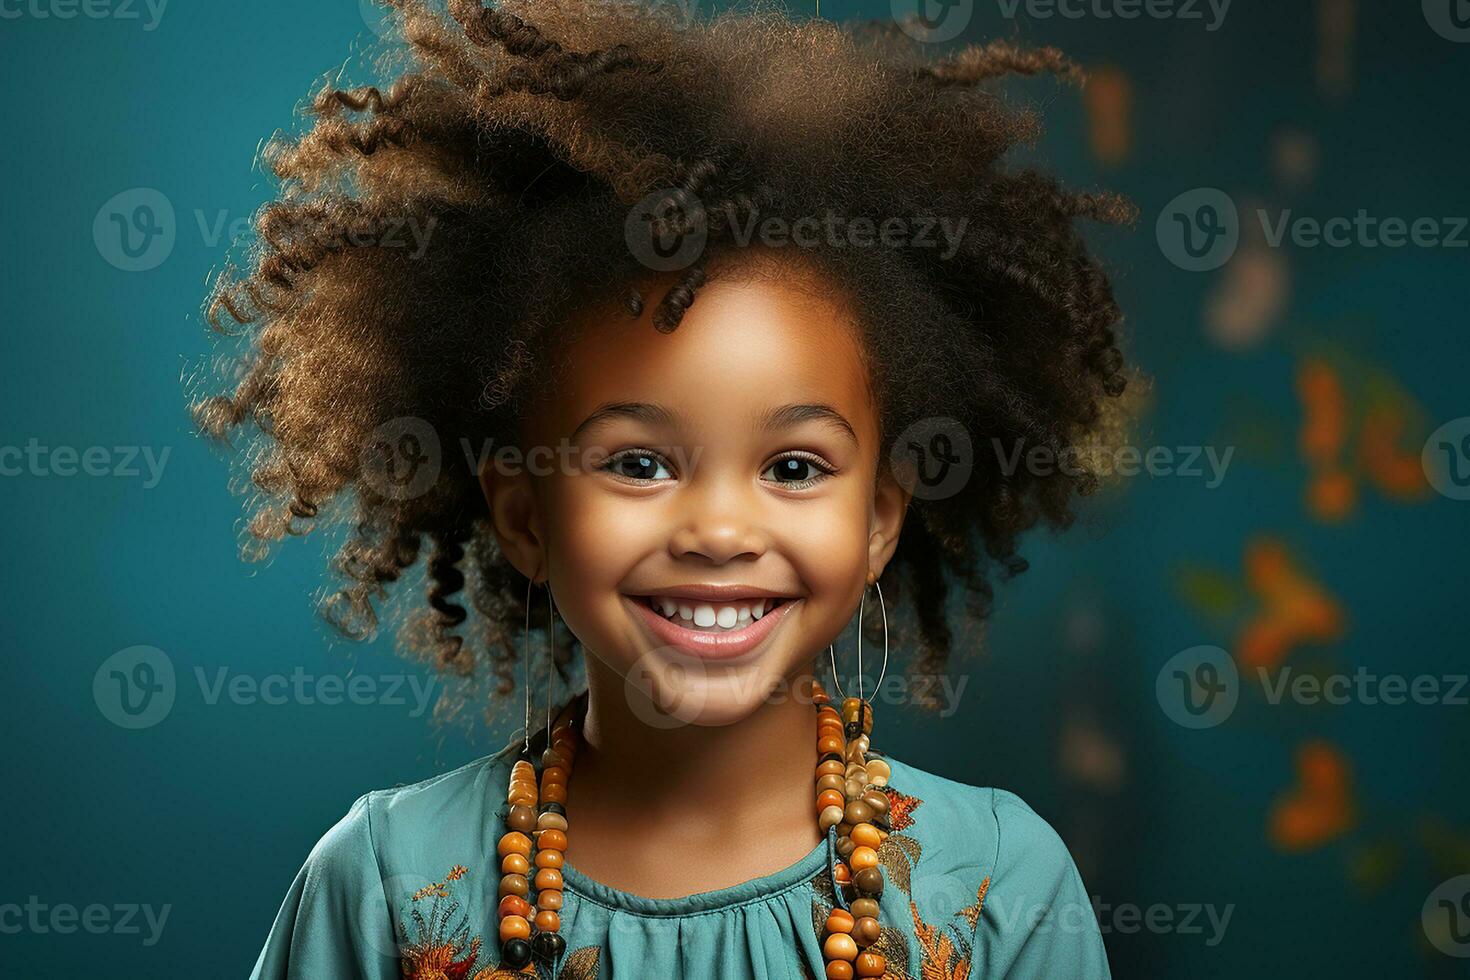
(712,617)
(711,622)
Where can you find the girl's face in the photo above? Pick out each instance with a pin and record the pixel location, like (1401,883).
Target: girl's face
(706,504)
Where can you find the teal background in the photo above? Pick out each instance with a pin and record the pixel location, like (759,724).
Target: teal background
(212,810)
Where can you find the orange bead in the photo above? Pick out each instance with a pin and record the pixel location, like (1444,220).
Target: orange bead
(549,859)
(840,920)
(838,946)
(829,797)
(551,839)
(832,766)
(515,905)
(548,900)
(548,878)
(555,793)
(514,927)
(839,970)
(866,835)
(522,799)
(842,875)
(870,964)
(828,743)
(515,863)
(863,857)
(514,885)
(547,921)
(553,774)
(514,842)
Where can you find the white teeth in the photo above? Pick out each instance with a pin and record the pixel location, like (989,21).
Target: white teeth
(710,616)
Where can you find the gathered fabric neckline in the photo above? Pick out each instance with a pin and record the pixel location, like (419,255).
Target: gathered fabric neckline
(747,892)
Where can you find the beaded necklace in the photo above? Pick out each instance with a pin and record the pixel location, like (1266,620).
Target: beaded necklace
(852,813)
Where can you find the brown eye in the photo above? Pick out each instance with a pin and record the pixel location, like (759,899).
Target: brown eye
(637,465)
(796,471)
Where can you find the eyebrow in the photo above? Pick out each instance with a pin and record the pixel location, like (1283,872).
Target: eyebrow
(785,417)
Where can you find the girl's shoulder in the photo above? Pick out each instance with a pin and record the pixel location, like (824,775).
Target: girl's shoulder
(984,885)
(974,839)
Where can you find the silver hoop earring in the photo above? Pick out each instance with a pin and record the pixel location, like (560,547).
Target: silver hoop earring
(862,603)
(550,659)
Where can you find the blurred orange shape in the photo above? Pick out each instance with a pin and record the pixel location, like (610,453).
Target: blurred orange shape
(1109,96)
(1295,609)
(1332,494)
(1396,472)
(1319,808)
(1324,410)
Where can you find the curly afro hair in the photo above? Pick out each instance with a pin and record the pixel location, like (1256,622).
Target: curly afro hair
(518,140)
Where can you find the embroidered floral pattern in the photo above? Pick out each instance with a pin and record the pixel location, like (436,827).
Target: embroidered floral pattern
(945,949)
(439,945)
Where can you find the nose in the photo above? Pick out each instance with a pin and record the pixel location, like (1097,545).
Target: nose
(719,529)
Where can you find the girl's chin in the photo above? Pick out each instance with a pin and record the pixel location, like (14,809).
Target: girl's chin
(666,689)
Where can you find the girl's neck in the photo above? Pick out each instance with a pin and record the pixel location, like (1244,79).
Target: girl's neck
(670,811)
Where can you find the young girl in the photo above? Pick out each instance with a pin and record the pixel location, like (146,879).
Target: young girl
(698,337)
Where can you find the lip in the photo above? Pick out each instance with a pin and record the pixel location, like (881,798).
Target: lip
(711,646)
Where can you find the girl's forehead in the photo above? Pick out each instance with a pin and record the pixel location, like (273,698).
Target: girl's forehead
(746,345)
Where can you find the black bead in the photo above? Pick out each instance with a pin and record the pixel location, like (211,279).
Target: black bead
(515,954)
(551,806)
(830,757)
(548,946)
(852,729)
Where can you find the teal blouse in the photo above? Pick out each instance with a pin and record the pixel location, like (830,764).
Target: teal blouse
(975,885)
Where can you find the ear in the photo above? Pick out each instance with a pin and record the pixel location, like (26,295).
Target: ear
(515,517)
(890,505)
